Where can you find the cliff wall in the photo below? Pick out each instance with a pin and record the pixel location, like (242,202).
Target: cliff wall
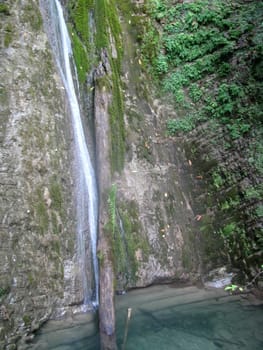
(37,222)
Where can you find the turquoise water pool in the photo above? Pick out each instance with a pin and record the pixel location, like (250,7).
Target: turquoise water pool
(167,318)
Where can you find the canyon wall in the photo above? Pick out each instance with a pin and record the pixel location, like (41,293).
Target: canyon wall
(38,270)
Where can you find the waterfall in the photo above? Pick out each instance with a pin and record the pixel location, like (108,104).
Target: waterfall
(87,197)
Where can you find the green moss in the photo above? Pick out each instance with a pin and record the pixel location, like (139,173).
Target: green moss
(32,16)
(134,239)
(4,9)
(101,258)
(42,215)
(54,221)
(56,194)
(27,320)
(116,31)
(80,56)
(31,280)
(126,238)
(4,290)
(101,24)
(107,24)
(79,12)
(126,7)
(117,126)
(104,83)
(80,35)
(56,247)
(9,34)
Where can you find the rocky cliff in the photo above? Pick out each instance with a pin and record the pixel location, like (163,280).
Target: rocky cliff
(37,222)
(155,217)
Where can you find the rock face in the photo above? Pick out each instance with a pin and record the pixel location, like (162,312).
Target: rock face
(37,227)
(157,237)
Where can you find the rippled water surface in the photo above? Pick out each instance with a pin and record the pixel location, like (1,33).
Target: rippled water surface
(166,318)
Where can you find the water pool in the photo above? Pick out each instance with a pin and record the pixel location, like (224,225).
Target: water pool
(167,318)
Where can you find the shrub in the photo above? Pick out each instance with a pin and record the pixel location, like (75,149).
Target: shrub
(178,125)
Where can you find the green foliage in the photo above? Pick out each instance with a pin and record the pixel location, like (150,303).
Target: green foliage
(200,42)
(254,192)
(195,92)
(176,125)
(160,64)
(217,179)
(256,151)
(229,229)
(207,55)
(230,203)
(233,288)
(150,44)
(238,244)
(259,211)
(4,291)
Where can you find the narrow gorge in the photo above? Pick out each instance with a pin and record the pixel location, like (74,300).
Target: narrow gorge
(131,156)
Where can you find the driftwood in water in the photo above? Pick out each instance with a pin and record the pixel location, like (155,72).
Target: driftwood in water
(126,328)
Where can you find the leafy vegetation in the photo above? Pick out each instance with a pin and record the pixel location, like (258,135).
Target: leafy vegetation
(207,56)
(4,291)
(193,49)
(233,288)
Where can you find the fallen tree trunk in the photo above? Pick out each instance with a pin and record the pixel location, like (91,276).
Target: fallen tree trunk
(103,98)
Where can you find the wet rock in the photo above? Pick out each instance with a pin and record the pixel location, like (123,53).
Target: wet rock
(11,347)
(36,206)
(218,278)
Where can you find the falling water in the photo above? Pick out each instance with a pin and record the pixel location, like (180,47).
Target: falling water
(87,199)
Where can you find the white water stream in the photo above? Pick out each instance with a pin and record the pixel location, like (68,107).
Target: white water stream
(87,198)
